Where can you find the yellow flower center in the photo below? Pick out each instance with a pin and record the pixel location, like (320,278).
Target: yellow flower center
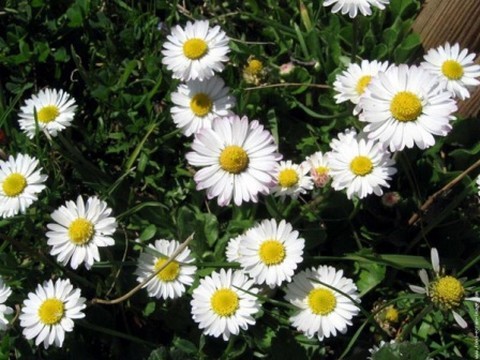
(254,67)
(171,271)
(234,159)
(14,184)
(321,170)
(195,48)
(81,231)
(271,252)
(51,311)
(361,165)
(48,114)
(322,301)
(447,292)
(362,84)
(452,69)
(406,106)
(391,314)
(287,178)
(201,104)
(224,302)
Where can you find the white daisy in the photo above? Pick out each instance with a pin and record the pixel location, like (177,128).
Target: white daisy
(351,83)
(478,184)
(323,310)
(199,102)
(20,182)
(5,292)
(238,159)
(233,249)
(79,230)
(317,163)
(361,166)
(445,291)
(270,253)
(346,137)
(49,312)
(55,110)
(291,180)
(171,281)
(352,7)
(195,52)
(224,303)
(456,69)
(404,106)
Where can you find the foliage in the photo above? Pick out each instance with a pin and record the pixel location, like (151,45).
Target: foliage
(124,148)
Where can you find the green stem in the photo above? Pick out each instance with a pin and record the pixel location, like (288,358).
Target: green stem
(353,55)
(101,329)
(415,321)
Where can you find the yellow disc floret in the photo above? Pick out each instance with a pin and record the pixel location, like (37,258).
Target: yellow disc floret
(234,159)
(322,301)
(271,252)
(406,106)
(14,184)
(81,231)
(362,84)
(48,114)
(361,165)
(391,314)
(201,104)
(287,178)
(195,48)
(51,311)
(447,292)
(254,67)
(170,272)
(452,69)
(224,302)
(321,170)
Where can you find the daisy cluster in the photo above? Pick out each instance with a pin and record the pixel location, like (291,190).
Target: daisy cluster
(77,231)
(401,106)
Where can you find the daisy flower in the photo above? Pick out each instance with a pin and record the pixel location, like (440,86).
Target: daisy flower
(195,52)
(444,291)
(79,230)
(55,110)
(317,164)
(224,303)
(238,159)
(404,106)
(352,7)
(361,166)
(171,281)
(271,252)
(199,102)
(456,69)
(20,182)
(350,84)
(254,71)
(322,310)
(49,312)
(5,292)
(291,180)
(233,249)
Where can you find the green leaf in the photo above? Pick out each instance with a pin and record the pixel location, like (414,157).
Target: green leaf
(148,233)
(185,346)
(149,308)
(402,351)
(371,274)
(159,354)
